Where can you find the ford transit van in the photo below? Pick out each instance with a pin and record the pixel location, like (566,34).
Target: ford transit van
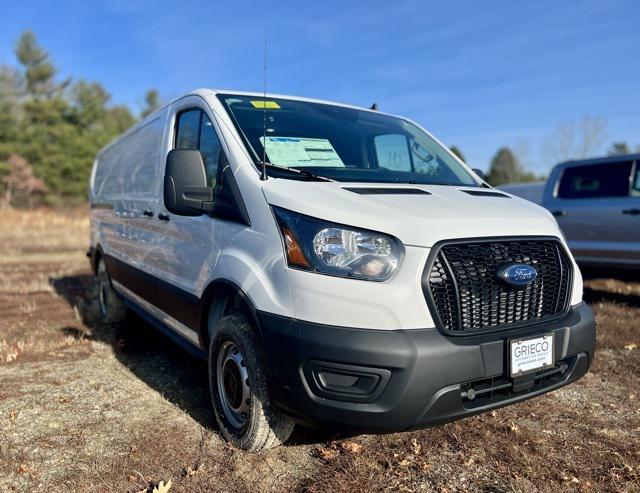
(336,266)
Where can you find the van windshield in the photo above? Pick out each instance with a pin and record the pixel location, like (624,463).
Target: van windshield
(339,143)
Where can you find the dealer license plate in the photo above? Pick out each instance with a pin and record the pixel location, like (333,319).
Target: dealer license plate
(531,355)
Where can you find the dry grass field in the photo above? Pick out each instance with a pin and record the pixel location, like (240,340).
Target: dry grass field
(91,408)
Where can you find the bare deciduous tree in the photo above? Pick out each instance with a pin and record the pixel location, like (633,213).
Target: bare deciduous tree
(522,151)
(20,179)
(575,140)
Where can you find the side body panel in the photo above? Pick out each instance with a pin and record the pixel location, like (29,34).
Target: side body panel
(124,196)
(186,247)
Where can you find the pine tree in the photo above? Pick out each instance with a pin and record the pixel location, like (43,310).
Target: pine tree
(58,132)
(505,168)
(152,102)
(458,153)
(39,71)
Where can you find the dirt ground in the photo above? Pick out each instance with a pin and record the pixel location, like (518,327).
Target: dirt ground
(90,408)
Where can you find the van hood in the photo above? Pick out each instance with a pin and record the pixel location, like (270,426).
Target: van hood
(416,219)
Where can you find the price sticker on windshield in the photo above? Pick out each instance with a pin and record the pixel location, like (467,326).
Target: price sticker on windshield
(301,151)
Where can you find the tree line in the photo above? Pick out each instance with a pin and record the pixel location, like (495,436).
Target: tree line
(51,129)
(568,141)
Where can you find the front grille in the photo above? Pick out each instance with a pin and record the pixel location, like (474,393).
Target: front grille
(462,285)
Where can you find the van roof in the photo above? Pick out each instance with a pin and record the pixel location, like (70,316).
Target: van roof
(210,92)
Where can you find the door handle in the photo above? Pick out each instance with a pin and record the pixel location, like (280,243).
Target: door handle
(148,212)
(163,216)
(559,213)
(633,212)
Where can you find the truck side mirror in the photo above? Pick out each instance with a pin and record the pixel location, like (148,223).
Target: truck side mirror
(185,184)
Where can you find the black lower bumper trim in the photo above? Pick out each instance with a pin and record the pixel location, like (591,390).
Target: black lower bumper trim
(426,373)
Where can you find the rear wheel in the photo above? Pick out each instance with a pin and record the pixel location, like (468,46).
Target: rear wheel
(112,308)
(241,401)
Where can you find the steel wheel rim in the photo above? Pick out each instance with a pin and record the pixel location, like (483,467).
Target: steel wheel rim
(233,384)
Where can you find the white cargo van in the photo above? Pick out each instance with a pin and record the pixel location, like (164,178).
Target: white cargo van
(337,267)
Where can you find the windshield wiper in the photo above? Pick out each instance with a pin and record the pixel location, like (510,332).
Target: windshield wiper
(299,172)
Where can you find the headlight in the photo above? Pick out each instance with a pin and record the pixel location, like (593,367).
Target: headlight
(333,249)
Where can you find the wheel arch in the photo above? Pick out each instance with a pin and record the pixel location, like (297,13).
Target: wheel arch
(223,297)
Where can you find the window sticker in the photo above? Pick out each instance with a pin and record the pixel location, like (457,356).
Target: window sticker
(299,151)
(267,105)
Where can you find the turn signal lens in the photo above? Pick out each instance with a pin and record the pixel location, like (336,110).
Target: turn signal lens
(294,253)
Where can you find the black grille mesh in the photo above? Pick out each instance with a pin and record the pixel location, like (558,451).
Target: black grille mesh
(469,297)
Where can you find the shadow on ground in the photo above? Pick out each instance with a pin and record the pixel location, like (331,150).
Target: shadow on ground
(152,357)
(625,275)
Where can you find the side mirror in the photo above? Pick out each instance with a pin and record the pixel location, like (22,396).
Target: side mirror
(185,184)
(480,173)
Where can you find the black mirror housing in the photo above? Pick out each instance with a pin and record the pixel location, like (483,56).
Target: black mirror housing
(185,184)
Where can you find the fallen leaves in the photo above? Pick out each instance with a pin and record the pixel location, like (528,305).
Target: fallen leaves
(335,449)
(416,446)
(351,447)
(161,487)
(10,352)
(328,454)
(192,471)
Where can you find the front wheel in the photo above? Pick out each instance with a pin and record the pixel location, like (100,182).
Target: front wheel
(241,401)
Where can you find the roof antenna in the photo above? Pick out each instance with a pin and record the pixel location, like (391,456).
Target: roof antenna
(264,175)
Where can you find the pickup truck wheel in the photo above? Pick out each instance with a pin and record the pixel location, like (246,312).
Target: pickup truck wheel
(112,308)
(241,400)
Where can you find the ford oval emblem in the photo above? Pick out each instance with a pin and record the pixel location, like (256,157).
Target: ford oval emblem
(517,274)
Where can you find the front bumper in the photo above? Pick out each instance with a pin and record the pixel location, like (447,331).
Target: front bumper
(392,380)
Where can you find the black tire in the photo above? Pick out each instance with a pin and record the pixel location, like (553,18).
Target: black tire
(257,424)
(111,307)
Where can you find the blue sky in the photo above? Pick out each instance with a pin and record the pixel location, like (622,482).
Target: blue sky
(479,75)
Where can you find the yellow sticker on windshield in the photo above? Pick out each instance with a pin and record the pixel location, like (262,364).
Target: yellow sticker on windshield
(267,105)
